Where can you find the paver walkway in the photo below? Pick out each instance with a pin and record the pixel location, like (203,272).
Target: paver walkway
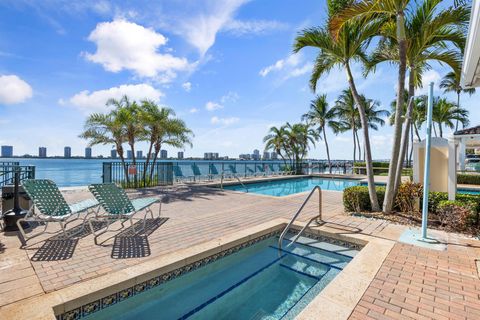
(448,280)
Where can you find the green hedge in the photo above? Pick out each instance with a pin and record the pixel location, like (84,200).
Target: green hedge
(357,199)
(468,178)
(378,164)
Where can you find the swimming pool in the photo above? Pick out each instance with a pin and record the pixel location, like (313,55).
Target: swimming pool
(285,187)
(256,282)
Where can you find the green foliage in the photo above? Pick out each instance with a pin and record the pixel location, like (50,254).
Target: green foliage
(378,168)
(456,215)
(468,178)
(357,199)
(407,197)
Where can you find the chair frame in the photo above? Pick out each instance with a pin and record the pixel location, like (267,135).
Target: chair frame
(62,220)
(124,216)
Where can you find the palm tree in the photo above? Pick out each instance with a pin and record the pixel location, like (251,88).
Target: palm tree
(276,140)
(128,114)
(446,112)
(300,136)
(163,129)
(375,116)
(348,46)
(451,83)
(106,129)
(321,116)
(381,13)
(347,115)
(423,37)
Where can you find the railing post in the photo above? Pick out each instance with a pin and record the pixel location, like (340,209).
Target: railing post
(319,219)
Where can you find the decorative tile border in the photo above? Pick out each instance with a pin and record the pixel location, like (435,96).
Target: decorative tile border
(112,299)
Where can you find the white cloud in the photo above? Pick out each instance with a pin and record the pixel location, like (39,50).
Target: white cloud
(201,28)
(249,27)
(231,96)
(14,90)
(193,110)
(224,121)
(187,86)
(429,76)
(95,101)
(291,60)
(211,106)
(125,45)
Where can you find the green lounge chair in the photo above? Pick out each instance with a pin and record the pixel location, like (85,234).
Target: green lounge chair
(52,207)
(118,207)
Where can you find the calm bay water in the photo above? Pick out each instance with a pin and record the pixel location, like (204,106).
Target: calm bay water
(65,172)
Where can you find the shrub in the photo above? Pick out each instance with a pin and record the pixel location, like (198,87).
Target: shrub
(468,178)
(455,215)
(407,197)
(357,199)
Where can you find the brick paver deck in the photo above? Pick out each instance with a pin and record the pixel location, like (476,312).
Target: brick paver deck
(409,282)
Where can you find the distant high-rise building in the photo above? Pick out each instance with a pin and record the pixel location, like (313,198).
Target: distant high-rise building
(163,154)
(256,155)
(7,151)
(139,154)
(245,156)
(273,156)
(88,152)
(210,156)
(180,155)
(129,154)
(113,154)
(67,152)
(266,155)
(42,152)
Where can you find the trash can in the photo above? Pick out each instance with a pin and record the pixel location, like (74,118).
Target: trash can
(8,197)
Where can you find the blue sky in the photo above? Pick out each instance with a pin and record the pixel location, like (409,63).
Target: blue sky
(225,67)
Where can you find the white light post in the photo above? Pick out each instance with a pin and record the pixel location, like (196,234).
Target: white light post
(426,177)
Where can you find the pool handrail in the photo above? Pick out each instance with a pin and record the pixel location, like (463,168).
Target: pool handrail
(318,218)
(236,177)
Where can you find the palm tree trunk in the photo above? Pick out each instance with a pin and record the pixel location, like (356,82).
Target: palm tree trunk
(147,162)
(328,152)
(134,162)
(155,157)
(122,159)
(458,107)
(440,129)
(434,129)
(406,131)
(354,145)
(397,132)
(416,132)
(368,156)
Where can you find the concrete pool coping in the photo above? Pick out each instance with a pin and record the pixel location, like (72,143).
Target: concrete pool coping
(337,300)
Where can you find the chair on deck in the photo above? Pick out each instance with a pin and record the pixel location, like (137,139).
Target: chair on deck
(118,207)
(52,207)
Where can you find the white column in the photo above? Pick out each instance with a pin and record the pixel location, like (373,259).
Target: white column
(461,157)
(452,169)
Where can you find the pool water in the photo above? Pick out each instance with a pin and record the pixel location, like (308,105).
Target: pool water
(257,282)
(285,187)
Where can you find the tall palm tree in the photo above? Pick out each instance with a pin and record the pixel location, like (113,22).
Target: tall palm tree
(451,83)
(169,131)
(446,112)
(320,115)
(376,116)
(347,115)
(348,46)
(106,129)
(276,140)
(430,33)
(300,136)
(381,13)
(128,113)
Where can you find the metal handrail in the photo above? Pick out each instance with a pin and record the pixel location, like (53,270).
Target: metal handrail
(319,217)
(235,176)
